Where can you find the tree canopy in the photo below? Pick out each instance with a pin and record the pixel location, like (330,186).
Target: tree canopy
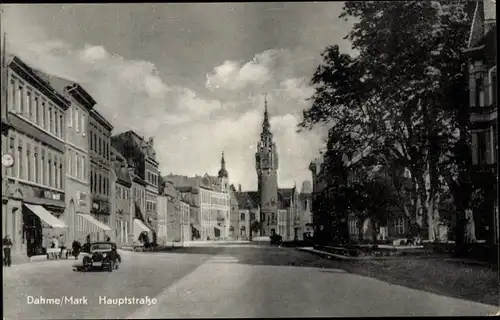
(400,100)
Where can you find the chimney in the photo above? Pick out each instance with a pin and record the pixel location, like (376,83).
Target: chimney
(239,188)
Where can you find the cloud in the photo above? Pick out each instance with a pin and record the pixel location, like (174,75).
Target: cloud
(232,75)
(191,128)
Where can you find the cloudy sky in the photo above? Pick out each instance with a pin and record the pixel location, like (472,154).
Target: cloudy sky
(193,76)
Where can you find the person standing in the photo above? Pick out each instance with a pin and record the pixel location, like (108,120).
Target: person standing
(61,245)
(7,247)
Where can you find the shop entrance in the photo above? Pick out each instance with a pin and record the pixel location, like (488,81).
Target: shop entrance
(32,233)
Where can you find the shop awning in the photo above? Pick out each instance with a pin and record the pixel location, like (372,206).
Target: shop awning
(140,225)
(46,216)
(218,228)
(196,226)
(95,222)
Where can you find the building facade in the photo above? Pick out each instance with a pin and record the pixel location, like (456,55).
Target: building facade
(266,164)
(143,156)
(82,226)
(33,188)
(122,205)
(161,236)
(209,201)
(100,168)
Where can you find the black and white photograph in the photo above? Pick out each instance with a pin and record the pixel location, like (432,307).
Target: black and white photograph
(249,159)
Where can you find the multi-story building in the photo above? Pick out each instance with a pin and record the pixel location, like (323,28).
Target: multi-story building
(209,199)
(122,205)
(141,152)
(100,168)
(33,190)
(482,53)
(139,206)
(82,226)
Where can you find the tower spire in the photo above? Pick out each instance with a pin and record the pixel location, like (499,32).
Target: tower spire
(265,124)
(223,172)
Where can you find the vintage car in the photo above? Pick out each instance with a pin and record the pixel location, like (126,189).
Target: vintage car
(102,255)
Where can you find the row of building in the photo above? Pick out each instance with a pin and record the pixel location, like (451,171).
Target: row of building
(65,172)
(482,53)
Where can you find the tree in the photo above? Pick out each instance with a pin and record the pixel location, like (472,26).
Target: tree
(394,99)
(255,226)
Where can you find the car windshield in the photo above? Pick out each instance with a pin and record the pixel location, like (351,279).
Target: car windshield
(100,246)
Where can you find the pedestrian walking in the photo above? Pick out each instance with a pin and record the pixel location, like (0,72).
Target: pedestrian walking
(7,247)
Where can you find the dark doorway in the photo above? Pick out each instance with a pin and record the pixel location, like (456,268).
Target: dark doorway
(32,233)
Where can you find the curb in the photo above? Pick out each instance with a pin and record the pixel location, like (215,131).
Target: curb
(332,255)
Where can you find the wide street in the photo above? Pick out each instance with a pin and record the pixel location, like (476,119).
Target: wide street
(225,281)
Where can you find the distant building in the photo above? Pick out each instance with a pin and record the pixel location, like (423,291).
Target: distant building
(482,53)
(209,199)
(279,209)
(100,167)
(141,154)
(122,205)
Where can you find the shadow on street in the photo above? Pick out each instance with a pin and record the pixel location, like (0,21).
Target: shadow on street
(474,283)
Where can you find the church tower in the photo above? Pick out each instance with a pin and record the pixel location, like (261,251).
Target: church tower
(266,163)
(223,175)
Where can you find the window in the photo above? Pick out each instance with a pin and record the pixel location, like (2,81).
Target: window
(242,218)
(100,184)
(20,101)
(37,111)
(84,169)
(399,226)
(22,164)
(56,174)
(83,124)
(76,120)
(36,165)
(56,123)
(99,145)
(51,122)
(44,116)
(43,172)
(29,168)
(70,163)
(28,105)
(482,147)
(49,165)
(493,88)
(61,125)
(70,118)
(61,180)
(77,162)
(479,90)
(12,96)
